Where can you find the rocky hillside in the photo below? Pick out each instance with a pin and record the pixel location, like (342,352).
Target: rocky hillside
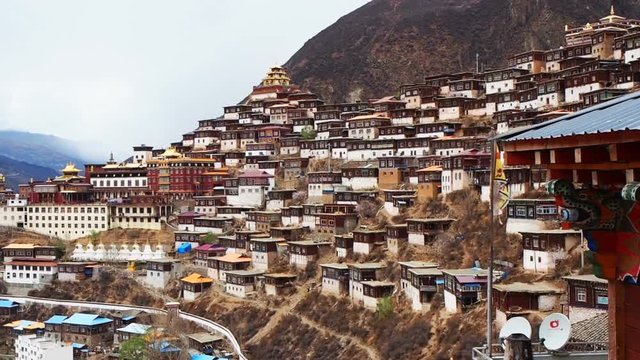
(385,43)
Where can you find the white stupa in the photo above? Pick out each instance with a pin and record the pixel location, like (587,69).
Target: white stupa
(100,253)
(78,252)
(159,253)
(135,253)
(124,254)
(147,253)
(89,252)
(112,253)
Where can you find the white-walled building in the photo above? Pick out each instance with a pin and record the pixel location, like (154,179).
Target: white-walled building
(423,285)
(335,278)
(142,153)
(530,215)
(264,252)
(31,272)
(587,296)
(543,249)
(374,291)
(424,231)
(360,176)
(13,213)
(458,171)
(366,126)
(68,222)
(366,240)
(520,299)
(242,283)
(194,285)
(360,273)
(77,271)
(304,252)
(34,347)
(504,80)
(161,271)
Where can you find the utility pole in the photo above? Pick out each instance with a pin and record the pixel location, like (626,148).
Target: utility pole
(492,233)
(477,63)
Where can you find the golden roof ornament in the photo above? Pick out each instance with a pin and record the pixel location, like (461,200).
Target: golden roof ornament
(70,169)
(171,152)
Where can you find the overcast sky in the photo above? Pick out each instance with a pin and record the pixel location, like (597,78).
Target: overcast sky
(123,72)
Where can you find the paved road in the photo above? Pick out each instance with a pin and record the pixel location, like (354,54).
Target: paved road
(203,322)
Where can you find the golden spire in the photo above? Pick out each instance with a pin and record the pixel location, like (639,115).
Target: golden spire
(612,12)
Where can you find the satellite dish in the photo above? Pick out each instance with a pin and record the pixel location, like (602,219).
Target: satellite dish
(555,331)
(515,325)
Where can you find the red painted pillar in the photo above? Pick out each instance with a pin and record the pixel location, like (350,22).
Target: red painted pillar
(616,320)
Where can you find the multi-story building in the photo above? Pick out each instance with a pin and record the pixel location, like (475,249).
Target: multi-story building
(67,221)
(30,271)
(139,212)
(113,180)
(34,347)
(464,288)
(360,273)
(458,171)
(542,250)
(161,271)
(178,176)
(587,296)
(90,329)
(335,279)
(13,211)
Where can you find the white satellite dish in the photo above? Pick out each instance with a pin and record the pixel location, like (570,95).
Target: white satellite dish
(515,325)
(555,331)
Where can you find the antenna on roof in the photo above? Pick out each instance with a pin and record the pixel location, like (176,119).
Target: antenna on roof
(555,331)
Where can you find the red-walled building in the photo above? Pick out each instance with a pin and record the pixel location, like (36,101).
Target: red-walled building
(178,176)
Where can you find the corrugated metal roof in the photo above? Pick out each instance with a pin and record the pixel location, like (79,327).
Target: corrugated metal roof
(86,319)
(135,328)
(8,304)
(619,114)
(56,320)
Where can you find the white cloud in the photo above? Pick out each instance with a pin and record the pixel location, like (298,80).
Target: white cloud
(119,73)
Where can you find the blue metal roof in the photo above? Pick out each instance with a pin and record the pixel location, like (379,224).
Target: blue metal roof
(202,357)
(8,304)
(619,114)
(78,346)
(165,347)
(86,319)
(56,320)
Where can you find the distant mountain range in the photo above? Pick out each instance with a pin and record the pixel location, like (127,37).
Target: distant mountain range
(373,50)
(25,156)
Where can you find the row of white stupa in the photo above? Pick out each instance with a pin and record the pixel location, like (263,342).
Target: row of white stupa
(112,253)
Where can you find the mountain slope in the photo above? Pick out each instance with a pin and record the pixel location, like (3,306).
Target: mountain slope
(385,43)
(19,172)
(25,155)
(38,149)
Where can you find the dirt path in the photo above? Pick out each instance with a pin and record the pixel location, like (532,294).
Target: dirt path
(283,310)
(287,309)
(373,354)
